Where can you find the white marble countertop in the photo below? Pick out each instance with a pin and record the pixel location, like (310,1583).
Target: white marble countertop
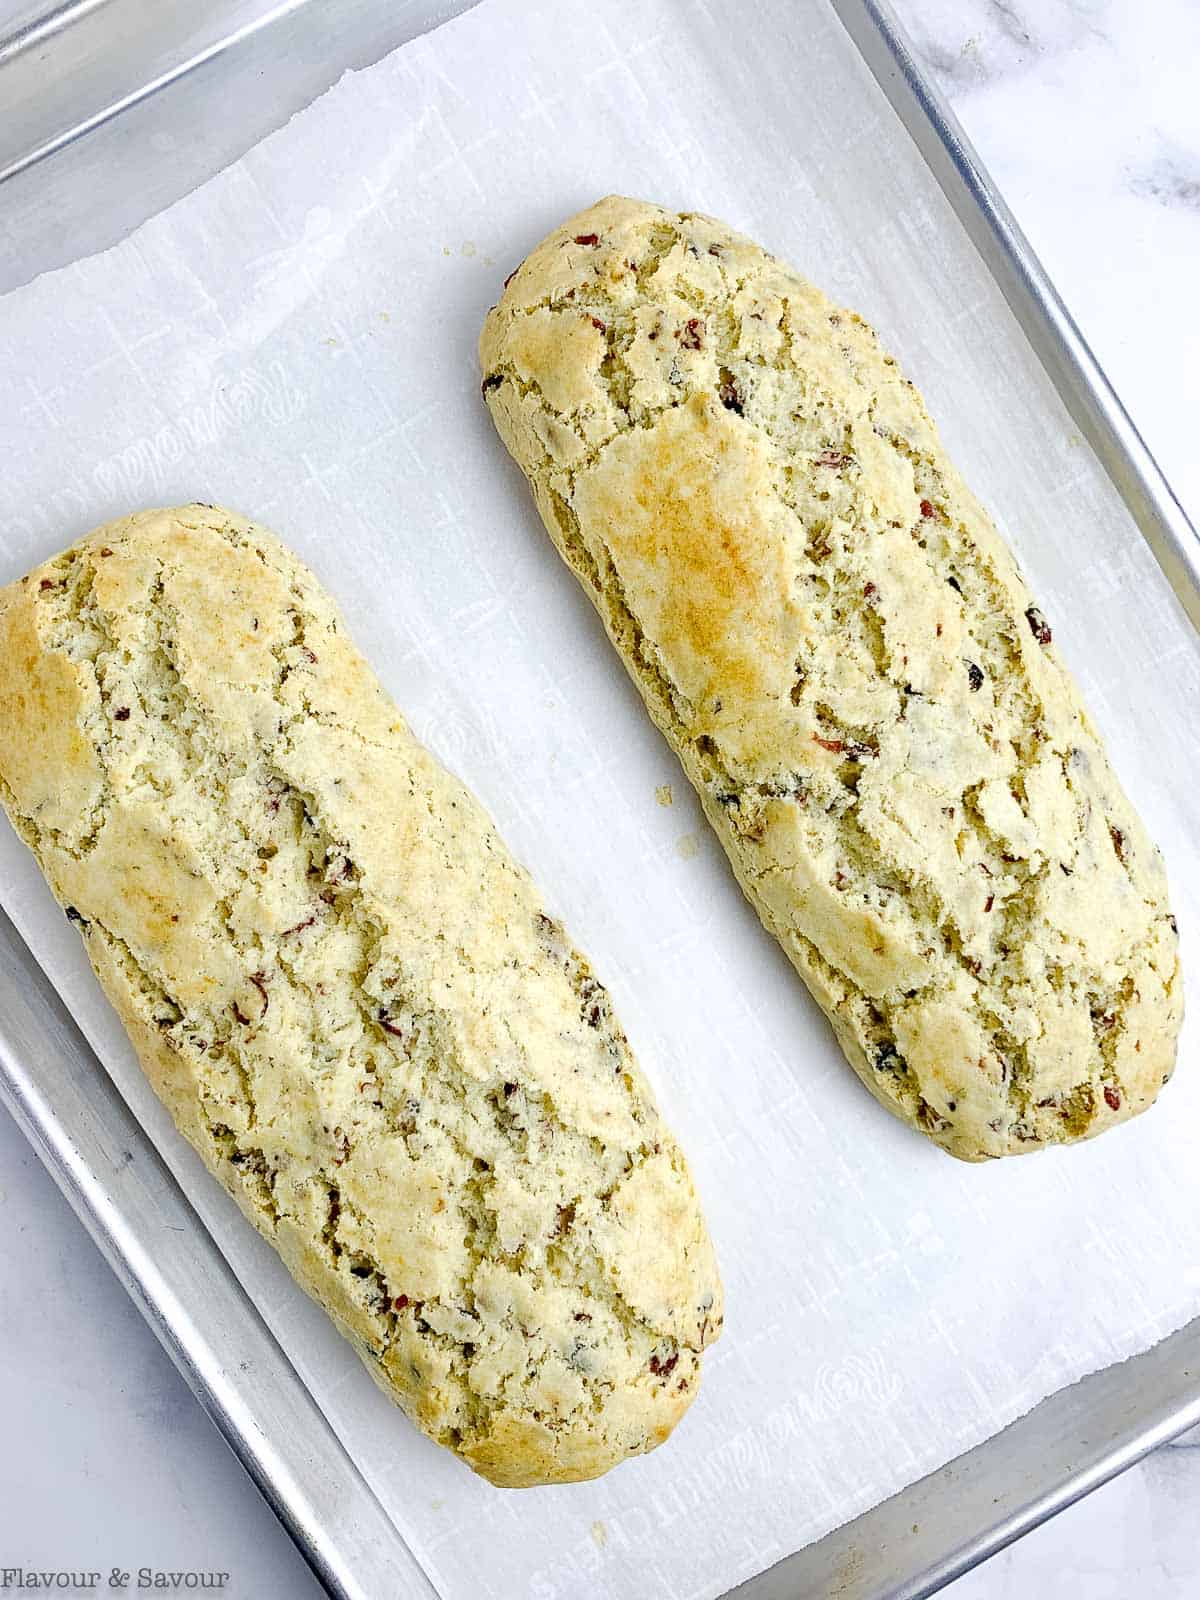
(1086,113)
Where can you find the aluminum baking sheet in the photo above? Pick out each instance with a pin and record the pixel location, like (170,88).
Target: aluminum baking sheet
(885,240)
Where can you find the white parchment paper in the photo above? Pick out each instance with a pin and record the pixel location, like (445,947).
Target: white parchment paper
(297,340)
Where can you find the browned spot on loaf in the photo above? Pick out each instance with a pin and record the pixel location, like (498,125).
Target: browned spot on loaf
(685,515)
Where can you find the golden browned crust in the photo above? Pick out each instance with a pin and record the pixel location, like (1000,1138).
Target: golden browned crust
(349,997)
(828,629)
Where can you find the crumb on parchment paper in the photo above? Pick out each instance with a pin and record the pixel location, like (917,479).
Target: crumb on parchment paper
(664,795)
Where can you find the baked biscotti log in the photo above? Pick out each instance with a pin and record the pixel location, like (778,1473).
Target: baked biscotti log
(350,998)
(828,629)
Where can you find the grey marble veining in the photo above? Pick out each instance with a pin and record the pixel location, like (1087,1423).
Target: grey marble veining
(979,42)
(1171,179)
(1088,117)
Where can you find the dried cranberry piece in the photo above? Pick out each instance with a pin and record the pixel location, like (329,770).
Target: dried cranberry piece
(258,979)
(590,239)
(692,337)
(852,749)
(1112,1097)
(1038,625)
(727,391)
